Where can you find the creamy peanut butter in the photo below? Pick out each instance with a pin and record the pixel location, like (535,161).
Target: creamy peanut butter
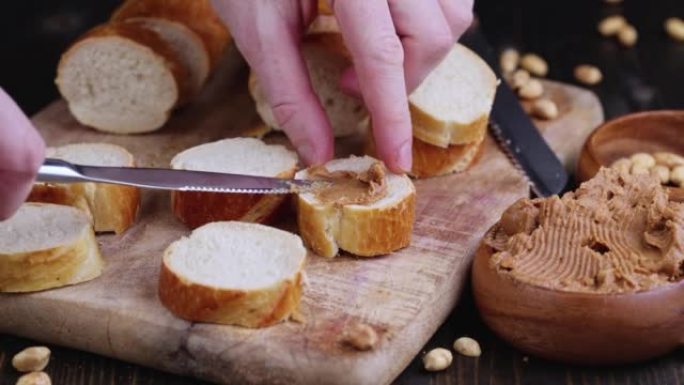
(617,233)
(350,188)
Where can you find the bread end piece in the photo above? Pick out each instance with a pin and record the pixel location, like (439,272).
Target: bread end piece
(57,262)
(363,230)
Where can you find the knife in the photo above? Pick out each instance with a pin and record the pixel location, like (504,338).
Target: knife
(60,171)
(515,132)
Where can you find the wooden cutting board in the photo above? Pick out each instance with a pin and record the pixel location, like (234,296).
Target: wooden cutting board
(404,296)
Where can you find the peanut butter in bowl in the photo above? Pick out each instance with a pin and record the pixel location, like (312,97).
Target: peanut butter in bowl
(595,276)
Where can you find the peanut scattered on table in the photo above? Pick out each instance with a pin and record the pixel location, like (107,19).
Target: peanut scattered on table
(533,89)
(360,336)
(628,35)
(33,359)
(534,64)
(510,57)
(519,78)
(611,25)
(34,378)
(437,359)
(545,109)
(674,27)
(468,347)
(588,74)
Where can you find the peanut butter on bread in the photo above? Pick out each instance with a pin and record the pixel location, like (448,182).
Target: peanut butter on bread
(617,233)
(350,188)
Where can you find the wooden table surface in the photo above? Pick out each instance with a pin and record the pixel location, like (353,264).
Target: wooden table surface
(649,76)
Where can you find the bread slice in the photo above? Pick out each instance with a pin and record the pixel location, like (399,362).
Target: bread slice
(121,78)
(429,160)
(233,273)
(187,45)
(364,230)
(453,103)
(198,15)
(112,207)
(44,246)
(249,156)
(326,58)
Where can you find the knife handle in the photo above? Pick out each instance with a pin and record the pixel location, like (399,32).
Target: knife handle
(59,171)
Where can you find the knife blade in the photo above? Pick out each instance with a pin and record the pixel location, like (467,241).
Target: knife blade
(59,171)
(516,133)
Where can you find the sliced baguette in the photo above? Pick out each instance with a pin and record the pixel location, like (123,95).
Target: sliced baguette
(198,15)
(233,273)
(453,103)
(112,207)
(187,45)
(429,160)
(248,156)
(44,246)
(326,58)
(363,230)
(121,78)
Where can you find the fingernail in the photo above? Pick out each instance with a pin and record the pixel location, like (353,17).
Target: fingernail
(404,156)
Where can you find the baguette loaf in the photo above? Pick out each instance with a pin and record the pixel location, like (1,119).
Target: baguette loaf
(198,15)
(364,229)
(44,246)
(187,46)
(326,58)
(112,207)
(233,273)
(248,156)
(452,104)
(121,78)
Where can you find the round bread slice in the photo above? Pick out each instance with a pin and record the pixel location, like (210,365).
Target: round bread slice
(429,160)
(112,207)
(368,230)
(326,58)
(122,79)
(248,156)
(233,273)
(44,246)
(198,15)
(187,45)
(452,104)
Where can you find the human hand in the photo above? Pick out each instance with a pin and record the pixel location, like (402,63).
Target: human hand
(394,45)
(21,153)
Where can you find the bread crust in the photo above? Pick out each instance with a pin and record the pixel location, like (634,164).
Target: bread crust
(111,207)
(54,267)
(195,209)
(198,15)
(356,229)
(249,308)
(442,134)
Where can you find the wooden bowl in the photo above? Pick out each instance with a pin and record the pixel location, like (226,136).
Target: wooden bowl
(579,328)
(648,132)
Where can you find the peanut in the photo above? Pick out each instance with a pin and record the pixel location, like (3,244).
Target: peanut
(361,336)
(534,64)
(34,378)
(545,109)
(33,359)
(468,347)
(437,359)
(519,79)
(588,74)
(677,176)
(623,165)
(533,89)
(662,172)
(668,159)
(639,169)
(628,35)
(611,25)
(509,60)
(674,27)
(643,159)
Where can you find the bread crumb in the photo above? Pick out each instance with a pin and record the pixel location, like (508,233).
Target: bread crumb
(467,346)
(360,336)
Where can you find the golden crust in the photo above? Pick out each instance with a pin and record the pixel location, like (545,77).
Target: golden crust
(442,134)
(429,160)
(146,38)
(254,308)
(195,209)
(356,229)
(198,15)
(50,268)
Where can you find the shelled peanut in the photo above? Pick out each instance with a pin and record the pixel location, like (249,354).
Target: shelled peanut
(617,25)
(666,166)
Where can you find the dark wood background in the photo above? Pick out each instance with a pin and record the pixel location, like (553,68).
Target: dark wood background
(649,76)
